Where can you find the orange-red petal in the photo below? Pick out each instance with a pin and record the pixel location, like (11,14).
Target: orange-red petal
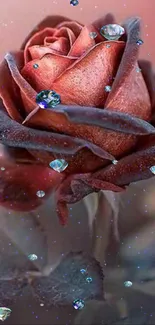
(83,83)
(50,66)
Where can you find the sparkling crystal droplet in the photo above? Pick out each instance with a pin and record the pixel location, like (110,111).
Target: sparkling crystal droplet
(35,66)
(78,304)
(33,257)
(93,35)
(83,271)
(128,283)
(138,69)
(139,42)
(112,32)
(48,99)
(152,169)
(59,165)
(40,193)
(115,161)
(89,279)
(107,89)
(74,2)
(4,313)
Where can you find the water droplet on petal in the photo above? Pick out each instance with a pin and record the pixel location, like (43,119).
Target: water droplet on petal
(2,168)
(4,313)
(48,99)
(128,283)
(74,2)
(115,161)
(33,257)
(40,193)
(83,271)
(89,279)
(93,35)
(107,89)
(152,169)
(139,42)
(59,165)
(112,32)
(138,69)
(78,304)
(35,66)
(107,46)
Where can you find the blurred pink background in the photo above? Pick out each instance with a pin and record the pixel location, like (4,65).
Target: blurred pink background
(17,18)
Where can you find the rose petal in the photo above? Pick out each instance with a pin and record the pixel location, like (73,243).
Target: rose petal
(28,92)
(83,83)
(132,168)
(37,39)
(48,22)
(83,43)
(50,66)
(60,47)
(18,192)
(72,25)
(129,92)
(102,185)
(60,41)
(67,33)
(16,135)
(62,212)
(75,188)
(9,91)
(106,119)
(59,123)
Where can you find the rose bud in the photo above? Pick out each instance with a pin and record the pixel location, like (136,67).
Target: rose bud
(78,105)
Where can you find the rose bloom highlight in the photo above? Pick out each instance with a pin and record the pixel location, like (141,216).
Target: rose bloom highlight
(106,137)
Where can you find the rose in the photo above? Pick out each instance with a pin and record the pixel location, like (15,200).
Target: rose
(92,128)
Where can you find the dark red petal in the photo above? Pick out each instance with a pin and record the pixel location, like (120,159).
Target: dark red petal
(83,83)
(112,120)
(19,184)
(62,212)
(58,122)
(50,66)
(16,135)
(74,188)
(129,92)
(25,88)
(9,91)
(132,168)
(102,185)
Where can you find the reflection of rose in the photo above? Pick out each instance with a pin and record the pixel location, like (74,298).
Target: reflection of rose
(64,57)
